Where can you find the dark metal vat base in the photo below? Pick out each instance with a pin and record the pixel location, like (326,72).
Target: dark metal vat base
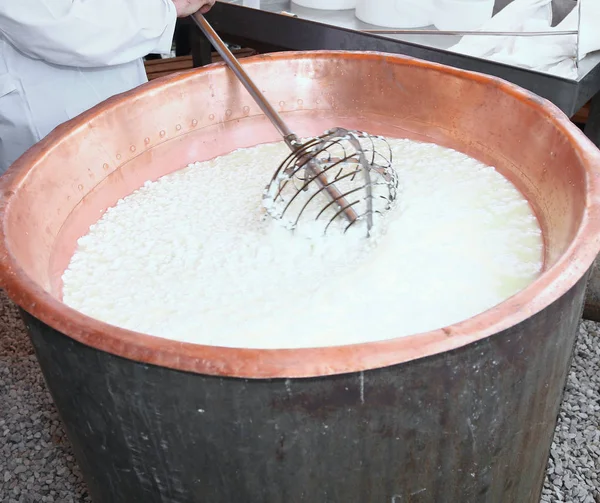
(471,425)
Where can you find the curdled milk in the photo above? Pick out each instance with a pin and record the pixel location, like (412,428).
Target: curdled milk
(191,257)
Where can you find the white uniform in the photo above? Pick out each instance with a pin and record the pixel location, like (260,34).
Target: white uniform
(59,58)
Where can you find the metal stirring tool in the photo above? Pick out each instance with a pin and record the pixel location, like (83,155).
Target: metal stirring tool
(341,174)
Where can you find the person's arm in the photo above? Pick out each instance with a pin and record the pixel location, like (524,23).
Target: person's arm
(88,33)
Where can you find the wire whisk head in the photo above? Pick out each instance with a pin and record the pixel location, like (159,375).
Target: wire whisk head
(340,179)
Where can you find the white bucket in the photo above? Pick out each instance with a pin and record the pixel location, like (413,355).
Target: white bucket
(396,13)
(462,15)
(326,4)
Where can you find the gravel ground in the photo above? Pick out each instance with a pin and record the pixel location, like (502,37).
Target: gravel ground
(37,465)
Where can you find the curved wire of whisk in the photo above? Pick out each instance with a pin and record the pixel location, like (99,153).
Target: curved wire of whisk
(315,161)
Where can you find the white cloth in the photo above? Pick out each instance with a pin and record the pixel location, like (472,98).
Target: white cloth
(589,35)
(59,58)
(554,54)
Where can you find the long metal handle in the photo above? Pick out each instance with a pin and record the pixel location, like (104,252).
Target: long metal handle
(245,79)
(290,138)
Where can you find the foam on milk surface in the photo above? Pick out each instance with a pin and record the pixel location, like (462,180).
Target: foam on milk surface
(192,257)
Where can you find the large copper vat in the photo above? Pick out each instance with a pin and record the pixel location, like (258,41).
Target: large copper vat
(463,414)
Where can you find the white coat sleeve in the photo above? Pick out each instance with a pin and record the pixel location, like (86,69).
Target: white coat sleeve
(88,33)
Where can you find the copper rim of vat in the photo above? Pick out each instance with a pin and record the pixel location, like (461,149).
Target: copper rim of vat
(571,161)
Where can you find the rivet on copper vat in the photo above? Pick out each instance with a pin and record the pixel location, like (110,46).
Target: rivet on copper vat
(463,414)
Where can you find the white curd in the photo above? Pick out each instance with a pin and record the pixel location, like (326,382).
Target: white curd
(192,257)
